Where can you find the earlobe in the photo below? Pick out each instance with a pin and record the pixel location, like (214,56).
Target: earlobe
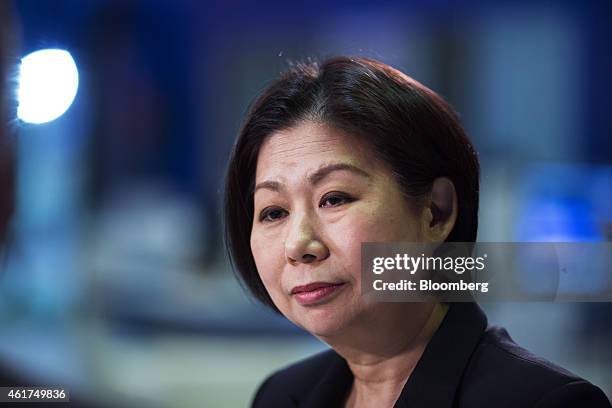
(441,210)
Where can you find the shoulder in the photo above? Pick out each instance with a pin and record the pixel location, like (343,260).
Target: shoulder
(503,373)
(297,379)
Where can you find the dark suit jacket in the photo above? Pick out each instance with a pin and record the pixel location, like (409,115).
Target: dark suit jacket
(465,364)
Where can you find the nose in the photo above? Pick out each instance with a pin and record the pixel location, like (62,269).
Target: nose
(302,244)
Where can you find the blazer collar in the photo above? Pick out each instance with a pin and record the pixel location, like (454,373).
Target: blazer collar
(435,379)
(438,374)
(332,388)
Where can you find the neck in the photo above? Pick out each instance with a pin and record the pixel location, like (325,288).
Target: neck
(383,348)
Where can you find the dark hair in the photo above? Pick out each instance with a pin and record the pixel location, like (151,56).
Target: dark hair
(412,129)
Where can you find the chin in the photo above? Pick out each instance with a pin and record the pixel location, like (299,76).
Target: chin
(322,321)
(324,331)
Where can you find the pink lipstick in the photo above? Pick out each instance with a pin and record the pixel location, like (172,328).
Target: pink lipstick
(315,292)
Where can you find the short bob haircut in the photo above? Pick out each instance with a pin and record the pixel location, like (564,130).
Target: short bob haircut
(412,129)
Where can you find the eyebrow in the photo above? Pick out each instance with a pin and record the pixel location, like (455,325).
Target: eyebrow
(317,176)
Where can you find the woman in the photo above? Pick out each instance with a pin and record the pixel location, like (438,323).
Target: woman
(354,151)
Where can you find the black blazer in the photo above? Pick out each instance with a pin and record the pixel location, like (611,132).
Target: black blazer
(465,364)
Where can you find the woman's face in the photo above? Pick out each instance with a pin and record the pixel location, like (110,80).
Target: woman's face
(319,194)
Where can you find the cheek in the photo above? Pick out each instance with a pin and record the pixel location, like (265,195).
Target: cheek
(382,221)
(269,257)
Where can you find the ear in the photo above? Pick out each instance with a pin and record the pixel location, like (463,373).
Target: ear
(440,210)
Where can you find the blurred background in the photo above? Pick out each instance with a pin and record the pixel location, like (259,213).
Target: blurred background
(114,281)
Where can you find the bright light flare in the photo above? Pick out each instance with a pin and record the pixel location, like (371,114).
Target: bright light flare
(47,84)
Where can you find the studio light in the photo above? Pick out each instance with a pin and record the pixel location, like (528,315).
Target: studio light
(47,84)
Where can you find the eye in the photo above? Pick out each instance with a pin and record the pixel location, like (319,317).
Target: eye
(334,199)
(272,214)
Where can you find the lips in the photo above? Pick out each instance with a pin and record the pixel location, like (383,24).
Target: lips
(312,287)
(315,293)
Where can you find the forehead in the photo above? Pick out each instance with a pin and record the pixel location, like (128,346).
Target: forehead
(305,147)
